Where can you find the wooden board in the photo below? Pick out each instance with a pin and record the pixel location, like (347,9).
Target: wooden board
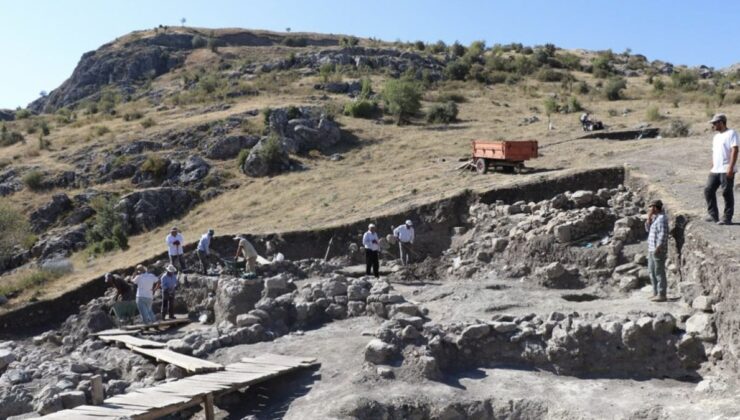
(167,323)
(131,341)
(189,363)
(172,397)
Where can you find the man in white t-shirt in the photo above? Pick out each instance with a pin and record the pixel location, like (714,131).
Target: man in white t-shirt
(371,244)
(175,244)
(248,252)
(144,282)
(724,157)
(405,235)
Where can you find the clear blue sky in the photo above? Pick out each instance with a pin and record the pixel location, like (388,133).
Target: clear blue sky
(42,40)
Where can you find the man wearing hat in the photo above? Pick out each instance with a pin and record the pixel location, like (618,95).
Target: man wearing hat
(247,250)
(724,157)
(123,289)
(145,282)
(175,243)
(204,249)
(168,283)
(657,228)
(372,249)
(405,235)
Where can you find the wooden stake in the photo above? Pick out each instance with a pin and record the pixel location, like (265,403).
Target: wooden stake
(96,390)
(328,248)
(208,406)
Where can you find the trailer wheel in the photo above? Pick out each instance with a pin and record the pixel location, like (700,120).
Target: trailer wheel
(519,168)
(480,166)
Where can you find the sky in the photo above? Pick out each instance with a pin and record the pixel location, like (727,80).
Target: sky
(42,40)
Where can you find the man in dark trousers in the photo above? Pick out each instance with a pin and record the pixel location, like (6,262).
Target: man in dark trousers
(372,249)
(168,283)
(657,227)
(724,158)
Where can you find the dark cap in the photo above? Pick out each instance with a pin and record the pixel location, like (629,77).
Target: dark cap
(657,204)
(718,118)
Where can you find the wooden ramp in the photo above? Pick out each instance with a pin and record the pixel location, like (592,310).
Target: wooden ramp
(171,397)
(131,329)
(131,341)
(158,352)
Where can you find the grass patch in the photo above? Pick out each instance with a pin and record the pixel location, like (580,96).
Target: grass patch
(31,280)
(34,180)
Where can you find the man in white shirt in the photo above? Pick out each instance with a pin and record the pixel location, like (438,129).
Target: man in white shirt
(145,282)
(372,249)
(247,250)
(405,235)
(724,157)
(204,250)
(175,244)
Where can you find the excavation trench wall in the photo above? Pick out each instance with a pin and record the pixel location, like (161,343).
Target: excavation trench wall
(433,222)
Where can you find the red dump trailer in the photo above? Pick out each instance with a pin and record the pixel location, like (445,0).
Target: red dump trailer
(506,155)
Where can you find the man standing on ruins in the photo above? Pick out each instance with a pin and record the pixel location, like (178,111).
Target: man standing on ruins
(657,227)
(372,249)
(175,244)
(405,235)
(724,157)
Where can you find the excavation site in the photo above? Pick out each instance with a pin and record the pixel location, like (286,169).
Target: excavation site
(529,301)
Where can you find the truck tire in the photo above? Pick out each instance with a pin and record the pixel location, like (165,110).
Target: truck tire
(480,166)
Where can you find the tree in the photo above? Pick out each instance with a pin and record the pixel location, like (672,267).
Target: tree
(402,98)
(287,29)
(43,94)
(182,21)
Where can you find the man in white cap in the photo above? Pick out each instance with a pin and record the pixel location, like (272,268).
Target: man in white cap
(168,284)
(372,249)
(247,250)
(145,282)
(204,249)
(724,157)
(175,243)
(405,235)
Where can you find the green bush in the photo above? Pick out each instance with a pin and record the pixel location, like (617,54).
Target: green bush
(366,88)
(149,122)
(457,49)
(295,41)
(22,114)
(570,61)
(549,75)
(402,98)
(34,180)
(497,77)
(327,72)
(677,128)
(350,41)
(438,47)
(613,89)
(362,108)
(293,112)
(420,45)
(266,112)
(100,130)
(44,127)
(457,70)
(686,80)
(133,115)
(14,230)
(602,67)
(523,65)
(451,96)
(653,113)
(443,113)
(106,232)
(572,105)
(8,137)
(66,116)
(270,151)
(199,42)
(243,155)
(583,88)
(551,106)
(155,165)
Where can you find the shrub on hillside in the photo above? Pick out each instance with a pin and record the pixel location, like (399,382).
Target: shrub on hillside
(348,41)
(438,47)
(570,61)
(362,108)
(549,75)
(685,79)
(402,98)
(652,113)
(677,128)
(149,122)
(292,112)
(242,157)
(583,88)
(613,89)
(8,137)
(270,151)
(420,45)
(457,49)
(14,230)
(155,165)
(133,115)
(572,105)
(450,96)
(106,232)
(199,42)
(457,70)
(295,41)
(551,106)
(601,67)
(34,180)
(443,113)
(22,114)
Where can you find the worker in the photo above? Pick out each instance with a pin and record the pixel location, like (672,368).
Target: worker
(657,227)
(372,251)
(123,289)
(248,252)
(204,250)
(585,121)
(168,284)
(145,282)
(175,244)
(405,236)
(724,157)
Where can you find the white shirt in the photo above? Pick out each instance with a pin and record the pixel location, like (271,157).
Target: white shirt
(722,144)
(247,249)
(144,285)
(404,233)
(171,247)
(370,241)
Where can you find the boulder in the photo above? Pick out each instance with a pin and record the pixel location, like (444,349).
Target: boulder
(49,213)
(146,209)
(60,242)
(236,296)
(628,283)
(582,198)
(267,157)
(563,233)
(228,147)
(701,325)
(72,399)
(703,303)
(245,320)
(193,170)
(499,244)
(379,352)
(6,357)
(475,332)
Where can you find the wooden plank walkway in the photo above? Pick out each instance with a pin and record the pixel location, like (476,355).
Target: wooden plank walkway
(131,329)
(171,397)
(131,341)
(158,352)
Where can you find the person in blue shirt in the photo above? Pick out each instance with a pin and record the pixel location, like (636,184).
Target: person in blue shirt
(168,284)
(204,249)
